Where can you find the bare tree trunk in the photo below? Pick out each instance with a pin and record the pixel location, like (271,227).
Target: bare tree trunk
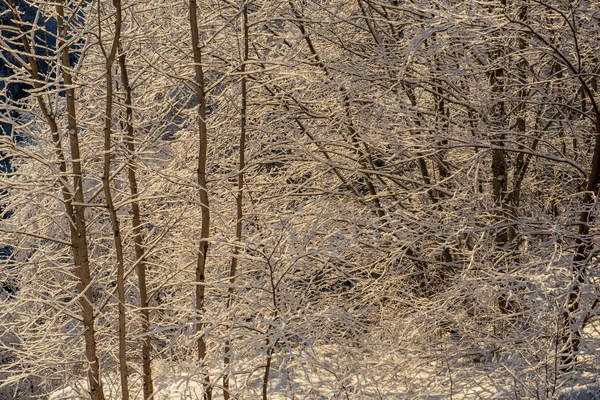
(80,253)
(499,164)
(239,200)
(110,204)
(137,232)
(265,382)
(75,215)
(572,323)
(201,178)
(571,336)
(442,124)
(269,345)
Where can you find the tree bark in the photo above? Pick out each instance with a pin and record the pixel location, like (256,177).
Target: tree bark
(201,180)
(239,200)
(122,329)
(138,240)
(80,249)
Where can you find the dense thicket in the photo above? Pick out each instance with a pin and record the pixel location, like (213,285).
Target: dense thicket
(255,191)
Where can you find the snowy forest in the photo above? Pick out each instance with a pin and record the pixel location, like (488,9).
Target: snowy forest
(299,199)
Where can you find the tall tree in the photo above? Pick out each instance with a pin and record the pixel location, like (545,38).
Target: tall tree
(203,190)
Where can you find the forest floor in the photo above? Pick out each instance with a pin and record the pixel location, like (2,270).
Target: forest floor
(331,372)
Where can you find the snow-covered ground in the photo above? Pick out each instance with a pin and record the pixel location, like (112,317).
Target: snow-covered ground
(332,372)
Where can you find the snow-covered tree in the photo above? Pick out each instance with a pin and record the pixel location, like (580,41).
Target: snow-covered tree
(250,191)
